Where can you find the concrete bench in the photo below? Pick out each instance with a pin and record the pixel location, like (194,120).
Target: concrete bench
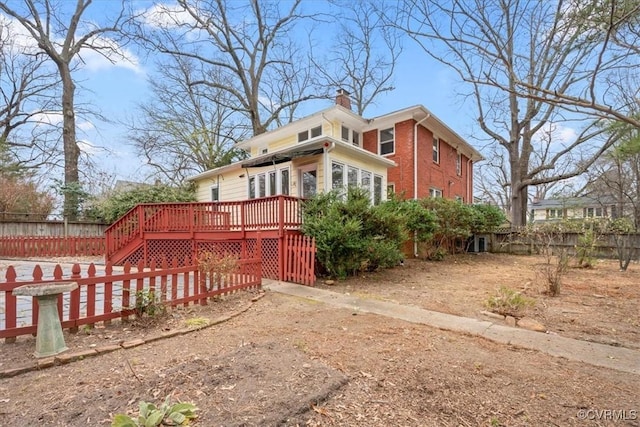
(49,337)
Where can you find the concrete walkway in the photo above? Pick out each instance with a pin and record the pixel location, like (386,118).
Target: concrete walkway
(618,358)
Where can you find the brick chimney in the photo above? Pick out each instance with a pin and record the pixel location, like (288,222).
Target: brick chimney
(342,98)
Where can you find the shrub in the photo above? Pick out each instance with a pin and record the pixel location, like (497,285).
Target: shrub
(351,235)
(454,222)
(216,268)
(114,206)
(148,302)
(151,416)
(508,302)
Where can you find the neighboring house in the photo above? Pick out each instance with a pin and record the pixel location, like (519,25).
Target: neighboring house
(572,208)
(410,152)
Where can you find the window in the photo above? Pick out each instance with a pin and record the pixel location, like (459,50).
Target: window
(311,133)
(345,133)
(337,175)
(268,184)
(252,187)
(366,181)
(272,183)
(391,190)
(554,213)
(459,199)
(355,138)
(284,182)
(459,164)
(351,136)
(592,212)
(215,193)
(264,151)
(262,185)
(436,150)
(352,177)
(434,192)
(377,189)
(387,141)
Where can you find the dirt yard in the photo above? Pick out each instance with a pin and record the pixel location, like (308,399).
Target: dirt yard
(291,361)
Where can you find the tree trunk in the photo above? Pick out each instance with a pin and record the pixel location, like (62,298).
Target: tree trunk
(71,150)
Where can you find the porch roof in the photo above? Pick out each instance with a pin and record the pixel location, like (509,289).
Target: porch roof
(308,148)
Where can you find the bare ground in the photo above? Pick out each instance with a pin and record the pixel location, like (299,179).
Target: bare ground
(291,361)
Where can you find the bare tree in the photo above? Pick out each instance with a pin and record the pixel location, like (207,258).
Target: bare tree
(186,129)
(612,29)
(363,56)
(250,45)
(62,38)
(27,92)
(493,45)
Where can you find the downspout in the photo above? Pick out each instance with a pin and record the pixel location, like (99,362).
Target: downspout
(469,176)
(415,176)
(328,147)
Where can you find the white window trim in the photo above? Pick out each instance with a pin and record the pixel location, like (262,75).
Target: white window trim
(459,164)
(267,183)
(393,141)
(436,149)
(211,188)
(435,192)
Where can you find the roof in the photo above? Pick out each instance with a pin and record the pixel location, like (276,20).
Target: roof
(417,112)
(572,202)
(311,147)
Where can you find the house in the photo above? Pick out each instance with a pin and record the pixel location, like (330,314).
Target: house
(409,152)
(572,208)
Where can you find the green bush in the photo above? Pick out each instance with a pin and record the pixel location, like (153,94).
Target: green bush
(454,222)
(113,207)
(353,236)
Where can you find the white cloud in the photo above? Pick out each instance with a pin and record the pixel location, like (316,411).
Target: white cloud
(87,147)
(167,16)
(48,118)
(555,133)
(18,40)
(85,126)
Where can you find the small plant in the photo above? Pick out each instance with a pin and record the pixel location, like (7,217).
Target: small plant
(147,302)
(508,302)
(150,415)
(586,248)
(216,268)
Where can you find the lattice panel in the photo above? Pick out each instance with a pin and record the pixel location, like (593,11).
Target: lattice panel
(270,258)
(135,257)
(220,248)
(168,249)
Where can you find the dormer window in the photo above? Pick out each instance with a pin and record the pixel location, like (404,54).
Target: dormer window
(310,133)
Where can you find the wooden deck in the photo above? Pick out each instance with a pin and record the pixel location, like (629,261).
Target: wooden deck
(159,231)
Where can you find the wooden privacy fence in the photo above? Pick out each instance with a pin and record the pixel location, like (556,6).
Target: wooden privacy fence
(55,246)
(101,298)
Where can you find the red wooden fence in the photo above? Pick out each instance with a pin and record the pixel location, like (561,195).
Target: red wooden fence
(114,294)
(299,259)
(51,246)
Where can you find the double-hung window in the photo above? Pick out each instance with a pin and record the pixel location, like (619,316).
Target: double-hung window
(387,141)
(459,164)
(436,150)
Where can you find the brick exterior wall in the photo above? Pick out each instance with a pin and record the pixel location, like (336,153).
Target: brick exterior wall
(441,175)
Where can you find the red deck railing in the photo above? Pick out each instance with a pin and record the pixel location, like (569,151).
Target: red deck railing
(100,298)
(267,213)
